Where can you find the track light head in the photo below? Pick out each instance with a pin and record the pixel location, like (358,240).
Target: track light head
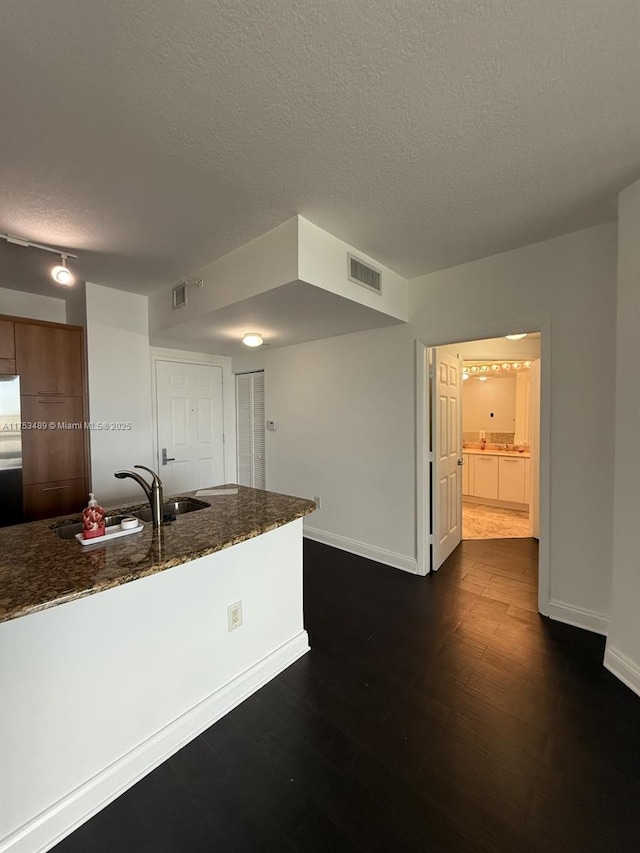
(61,274)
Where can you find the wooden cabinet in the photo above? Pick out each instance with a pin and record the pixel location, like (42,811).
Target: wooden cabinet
(46,500)
(49,359)
(7,347)
(486,477)
(512,479)
(57,452)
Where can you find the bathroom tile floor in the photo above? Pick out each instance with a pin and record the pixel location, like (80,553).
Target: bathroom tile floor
(493,522)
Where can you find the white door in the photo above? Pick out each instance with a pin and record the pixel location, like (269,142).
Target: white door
(250,429)
(446,455)
(189,426)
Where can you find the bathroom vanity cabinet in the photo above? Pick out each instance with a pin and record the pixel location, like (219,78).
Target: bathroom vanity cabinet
(498,478)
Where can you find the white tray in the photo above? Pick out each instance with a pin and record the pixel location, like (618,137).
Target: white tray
(113,532)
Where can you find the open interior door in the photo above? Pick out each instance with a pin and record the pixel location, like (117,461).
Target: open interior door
(445,391)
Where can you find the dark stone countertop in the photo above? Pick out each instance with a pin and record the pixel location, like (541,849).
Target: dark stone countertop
(40,570)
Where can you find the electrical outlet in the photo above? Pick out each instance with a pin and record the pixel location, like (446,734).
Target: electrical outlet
(317,501)
(234,616)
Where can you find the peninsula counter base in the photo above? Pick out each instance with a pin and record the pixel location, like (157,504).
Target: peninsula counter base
(97,692)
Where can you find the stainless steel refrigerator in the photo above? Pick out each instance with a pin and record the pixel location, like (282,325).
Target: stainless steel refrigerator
(10,451)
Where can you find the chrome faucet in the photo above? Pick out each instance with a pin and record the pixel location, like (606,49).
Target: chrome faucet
(153,491)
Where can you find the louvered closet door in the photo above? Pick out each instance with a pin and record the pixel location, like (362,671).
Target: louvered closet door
(250,428)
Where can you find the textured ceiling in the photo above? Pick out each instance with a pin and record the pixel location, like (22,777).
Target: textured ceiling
(153,137)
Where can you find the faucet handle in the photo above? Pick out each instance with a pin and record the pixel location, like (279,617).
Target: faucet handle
(156,478)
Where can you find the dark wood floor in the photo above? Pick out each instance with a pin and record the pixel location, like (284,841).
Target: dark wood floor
(432,714)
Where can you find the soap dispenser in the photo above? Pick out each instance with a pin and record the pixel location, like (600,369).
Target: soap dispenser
(92,519)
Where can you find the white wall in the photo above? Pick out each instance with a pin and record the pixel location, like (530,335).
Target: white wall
(481,399)
(119,372)
(346,407)
(268,261)
(623,644)
(98,691)
(20,304)
(497,349)
(323,262)
(344,412)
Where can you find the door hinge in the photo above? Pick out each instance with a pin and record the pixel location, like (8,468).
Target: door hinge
(430,456)
(430,539)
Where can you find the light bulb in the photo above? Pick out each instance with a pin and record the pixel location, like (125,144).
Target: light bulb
(465,376)
(62,275)
(253,339)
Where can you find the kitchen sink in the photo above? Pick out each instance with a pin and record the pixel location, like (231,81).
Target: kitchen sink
(68,531)
(172,508)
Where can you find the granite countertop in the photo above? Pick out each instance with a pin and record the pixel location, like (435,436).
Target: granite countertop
(40,570)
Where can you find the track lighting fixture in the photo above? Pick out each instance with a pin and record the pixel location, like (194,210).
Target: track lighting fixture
(61,274)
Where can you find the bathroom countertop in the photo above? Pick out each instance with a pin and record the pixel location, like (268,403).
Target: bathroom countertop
(479,452)
(40,570)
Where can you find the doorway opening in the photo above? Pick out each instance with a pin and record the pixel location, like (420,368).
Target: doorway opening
(500,437)
(483,446)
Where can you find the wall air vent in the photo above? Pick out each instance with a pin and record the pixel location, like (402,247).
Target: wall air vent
(179,295)
(364,274)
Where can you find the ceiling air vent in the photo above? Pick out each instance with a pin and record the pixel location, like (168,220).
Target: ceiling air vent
(361,273)
(179,295)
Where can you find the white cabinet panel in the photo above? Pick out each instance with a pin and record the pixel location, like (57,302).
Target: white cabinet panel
(466,474)
(486,477)
(512,479)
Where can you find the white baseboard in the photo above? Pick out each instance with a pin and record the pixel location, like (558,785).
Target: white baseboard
(378,555)
(58,821)
(624,668)
(579,617)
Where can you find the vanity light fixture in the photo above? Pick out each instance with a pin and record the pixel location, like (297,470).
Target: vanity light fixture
(517,337)
(61,274)
(252,339)
(492,368)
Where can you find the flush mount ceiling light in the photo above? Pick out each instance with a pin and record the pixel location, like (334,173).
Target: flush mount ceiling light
(61,274)
(252,339)
(517,337)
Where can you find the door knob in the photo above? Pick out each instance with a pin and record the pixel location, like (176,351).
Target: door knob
(166,458)
(460,461)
